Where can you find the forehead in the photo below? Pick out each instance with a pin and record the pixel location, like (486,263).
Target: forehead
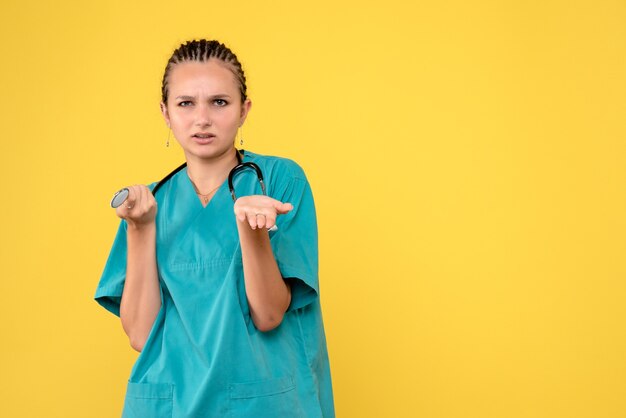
(209,77)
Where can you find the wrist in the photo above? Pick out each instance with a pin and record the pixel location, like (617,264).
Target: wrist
(141,228)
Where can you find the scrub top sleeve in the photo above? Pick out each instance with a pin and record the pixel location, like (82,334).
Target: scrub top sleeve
(295,243)
(111,285)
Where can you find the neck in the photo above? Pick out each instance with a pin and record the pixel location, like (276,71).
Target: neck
(207,174)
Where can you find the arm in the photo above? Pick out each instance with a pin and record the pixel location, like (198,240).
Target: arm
(268,294)
(141,298)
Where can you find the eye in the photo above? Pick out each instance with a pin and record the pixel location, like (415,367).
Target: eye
(182,103)
(220,102)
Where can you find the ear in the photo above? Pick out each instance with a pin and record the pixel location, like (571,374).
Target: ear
(165,113)
(245,108)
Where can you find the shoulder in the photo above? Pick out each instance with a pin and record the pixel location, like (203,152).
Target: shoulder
(152,185)
(275,166)
(283,177)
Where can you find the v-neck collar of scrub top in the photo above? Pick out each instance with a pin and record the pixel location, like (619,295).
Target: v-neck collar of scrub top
(181,209)
(187,188)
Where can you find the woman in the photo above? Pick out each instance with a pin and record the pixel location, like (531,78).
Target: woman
(224,310)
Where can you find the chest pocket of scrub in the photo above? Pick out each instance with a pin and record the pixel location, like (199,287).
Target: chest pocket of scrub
(153,400)
(273,397)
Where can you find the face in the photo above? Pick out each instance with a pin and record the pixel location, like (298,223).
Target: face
(204,108)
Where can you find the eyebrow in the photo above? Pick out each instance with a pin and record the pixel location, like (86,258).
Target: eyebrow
(215,96)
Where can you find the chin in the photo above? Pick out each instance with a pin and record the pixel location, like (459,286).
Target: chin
(209,153)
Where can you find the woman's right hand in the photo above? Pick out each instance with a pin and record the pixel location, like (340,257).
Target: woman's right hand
(140,207)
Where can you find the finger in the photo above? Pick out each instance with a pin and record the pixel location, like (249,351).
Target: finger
(241,215)
(131,201)
(270,220)
(139,205)
(260,220)
(145,200)
(150,199)
(283,208)
(123,210)
(251,219)
(120,210)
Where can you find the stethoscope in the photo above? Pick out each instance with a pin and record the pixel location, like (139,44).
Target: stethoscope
(120,196)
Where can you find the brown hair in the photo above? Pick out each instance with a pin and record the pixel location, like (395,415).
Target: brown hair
(202,51)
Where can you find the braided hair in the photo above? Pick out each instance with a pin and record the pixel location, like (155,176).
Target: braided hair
(202,51)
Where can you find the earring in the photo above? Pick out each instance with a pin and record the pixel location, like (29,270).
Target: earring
(167,144)
(241,135)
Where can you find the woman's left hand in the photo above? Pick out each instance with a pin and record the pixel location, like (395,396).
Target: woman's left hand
(260,211)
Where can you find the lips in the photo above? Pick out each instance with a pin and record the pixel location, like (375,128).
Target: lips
(203,138)
(203,135)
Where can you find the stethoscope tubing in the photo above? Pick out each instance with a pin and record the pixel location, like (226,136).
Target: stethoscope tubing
(240,167)
(120,196)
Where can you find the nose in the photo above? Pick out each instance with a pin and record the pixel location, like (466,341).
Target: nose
(203,115)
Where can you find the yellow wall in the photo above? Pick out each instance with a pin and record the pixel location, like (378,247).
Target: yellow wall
(467,159)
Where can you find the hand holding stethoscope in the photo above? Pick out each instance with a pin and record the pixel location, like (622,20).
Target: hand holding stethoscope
(136,204)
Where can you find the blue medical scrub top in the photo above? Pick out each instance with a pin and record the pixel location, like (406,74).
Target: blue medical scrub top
(204,357)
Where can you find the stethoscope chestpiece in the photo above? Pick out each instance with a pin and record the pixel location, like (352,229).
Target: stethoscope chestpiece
(119,198)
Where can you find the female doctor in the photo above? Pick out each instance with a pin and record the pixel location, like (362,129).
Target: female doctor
(224,311)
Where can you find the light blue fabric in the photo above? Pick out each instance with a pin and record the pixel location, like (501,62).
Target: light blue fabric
(204,357)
